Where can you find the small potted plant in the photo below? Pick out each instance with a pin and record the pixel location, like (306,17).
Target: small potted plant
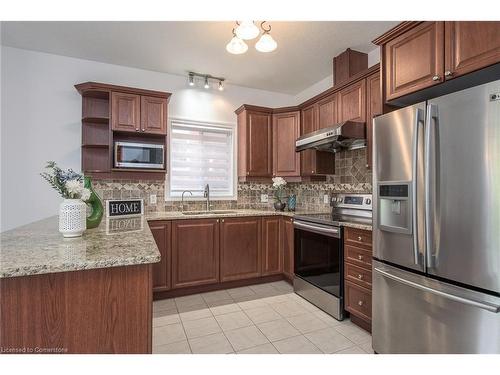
(279,184)
(73,210)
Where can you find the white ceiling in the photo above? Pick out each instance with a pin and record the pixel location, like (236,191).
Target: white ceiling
(303,57)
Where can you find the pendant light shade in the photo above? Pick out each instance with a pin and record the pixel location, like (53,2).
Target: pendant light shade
(266,43)
(247,30)
(236,46)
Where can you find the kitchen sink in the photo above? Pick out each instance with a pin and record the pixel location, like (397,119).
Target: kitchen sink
(214,212)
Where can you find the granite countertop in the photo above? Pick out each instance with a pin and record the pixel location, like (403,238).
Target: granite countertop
(39,248)
(177,215)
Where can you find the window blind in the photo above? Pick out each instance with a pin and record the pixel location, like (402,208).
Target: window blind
(201,154)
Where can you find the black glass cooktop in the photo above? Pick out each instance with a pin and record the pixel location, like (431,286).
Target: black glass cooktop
(333,219)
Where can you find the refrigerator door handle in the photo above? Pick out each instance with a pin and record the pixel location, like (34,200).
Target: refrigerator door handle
(419,121)
(494,308)
(431,124)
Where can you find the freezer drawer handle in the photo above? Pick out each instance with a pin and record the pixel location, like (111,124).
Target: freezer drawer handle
(483,305)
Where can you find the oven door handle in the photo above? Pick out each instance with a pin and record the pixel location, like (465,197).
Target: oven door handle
(327,231)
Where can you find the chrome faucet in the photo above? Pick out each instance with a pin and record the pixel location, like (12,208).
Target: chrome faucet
(185,191)
(206,194)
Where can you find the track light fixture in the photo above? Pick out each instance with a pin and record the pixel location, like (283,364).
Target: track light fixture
(206,80)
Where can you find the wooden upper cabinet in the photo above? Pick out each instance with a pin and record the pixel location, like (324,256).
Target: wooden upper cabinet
(286,130)
(255,142)
(195,252)
(470,45)
(414,60)
(239,248)
(287,240)
(328,111)
(373,109)
(272,259)
(125,112)
(161,231)
(352,102)
(308,124)
(153,115)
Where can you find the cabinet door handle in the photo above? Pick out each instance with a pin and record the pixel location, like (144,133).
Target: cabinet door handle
(360,238)
(217,220)
(143,130)
(448,73)
(222,220)
(360,303)
(360,276)
(436,78)
(312,172)
(360,257)
(136,129)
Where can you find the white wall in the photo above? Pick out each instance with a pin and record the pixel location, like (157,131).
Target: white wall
(41,111)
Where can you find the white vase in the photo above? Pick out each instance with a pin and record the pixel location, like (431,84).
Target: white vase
(72,217)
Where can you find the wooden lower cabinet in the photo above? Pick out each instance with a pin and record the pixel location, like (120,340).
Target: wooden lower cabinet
(287,238)
(195,252)
(358,275)
(99,311)
(272,260)
(240,250)
(161,231)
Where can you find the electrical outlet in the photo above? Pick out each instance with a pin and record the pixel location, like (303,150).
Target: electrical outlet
(264,198)
(326,199)
(152,199)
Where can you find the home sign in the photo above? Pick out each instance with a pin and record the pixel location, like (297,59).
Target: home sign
(128,207)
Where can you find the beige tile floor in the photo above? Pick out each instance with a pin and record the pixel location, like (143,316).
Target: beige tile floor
(258,319)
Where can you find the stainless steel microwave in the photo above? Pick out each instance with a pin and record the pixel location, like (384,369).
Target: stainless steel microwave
(139,155)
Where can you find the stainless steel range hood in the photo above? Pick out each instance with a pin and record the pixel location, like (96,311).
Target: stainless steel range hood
(348,135)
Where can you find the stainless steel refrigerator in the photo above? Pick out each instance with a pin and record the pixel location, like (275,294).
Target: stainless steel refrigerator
(436,225)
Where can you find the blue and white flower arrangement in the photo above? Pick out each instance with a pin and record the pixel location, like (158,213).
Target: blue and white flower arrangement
(68,183)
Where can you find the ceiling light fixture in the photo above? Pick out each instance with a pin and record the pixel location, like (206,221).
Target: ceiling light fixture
(266,42)
(247,30)
(206,80)
(236,46)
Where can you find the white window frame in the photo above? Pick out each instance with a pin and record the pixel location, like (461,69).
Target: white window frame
(223,125)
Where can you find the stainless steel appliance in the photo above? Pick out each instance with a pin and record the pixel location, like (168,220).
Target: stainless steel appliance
(318,247)
(346,135)
(139,155)
(436,232)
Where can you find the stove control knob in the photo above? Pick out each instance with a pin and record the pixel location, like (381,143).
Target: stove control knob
(368,201)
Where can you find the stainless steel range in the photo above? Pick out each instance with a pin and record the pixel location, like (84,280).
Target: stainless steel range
(318,258)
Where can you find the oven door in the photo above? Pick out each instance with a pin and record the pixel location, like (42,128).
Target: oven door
(318,256)
(139,155)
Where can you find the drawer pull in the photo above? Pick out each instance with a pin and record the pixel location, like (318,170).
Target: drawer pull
(360,276)
(360,257)
(360,238)
(360,303)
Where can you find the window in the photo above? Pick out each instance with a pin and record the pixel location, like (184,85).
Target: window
(201,154)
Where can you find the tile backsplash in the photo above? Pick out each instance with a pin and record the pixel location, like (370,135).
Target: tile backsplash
(351,176)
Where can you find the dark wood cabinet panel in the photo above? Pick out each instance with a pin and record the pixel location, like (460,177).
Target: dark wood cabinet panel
(195,252)
(358,237)
(287,241)
(125,112)
(373,109)
(161,231)
(286,130)
(240,256)
(106,310)
(358,275)
(327,111)
(259,143)
(308,124)
(352,102)
(414,60)
(153,115)
(358,301)
(272,259)
(469,46)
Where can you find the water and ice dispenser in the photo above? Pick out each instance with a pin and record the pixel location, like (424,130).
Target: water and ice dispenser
(394,207)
